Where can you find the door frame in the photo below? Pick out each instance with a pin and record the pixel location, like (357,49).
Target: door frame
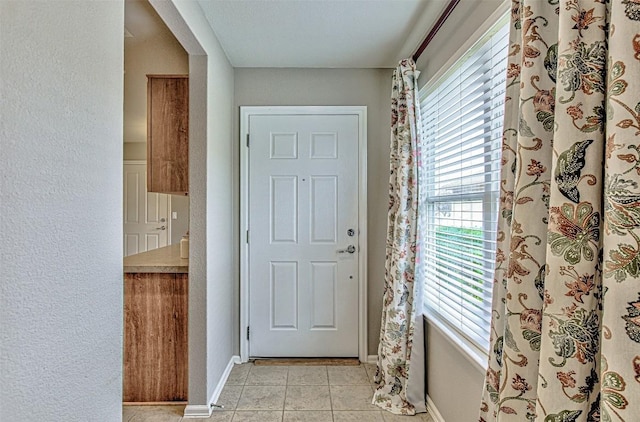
(245,113)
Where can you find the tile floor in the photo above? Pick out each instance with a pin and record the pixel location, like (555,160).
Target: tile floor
(287,394)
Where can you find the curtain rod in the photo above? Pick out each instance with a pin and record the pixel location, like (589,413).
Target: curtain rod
(436,27)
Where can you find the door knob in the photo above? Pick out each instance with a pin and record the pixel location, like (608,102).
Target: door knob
(161,228)
(350,249)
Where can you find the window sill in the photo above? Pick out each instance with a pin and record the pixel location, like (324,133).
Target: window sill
(475,356)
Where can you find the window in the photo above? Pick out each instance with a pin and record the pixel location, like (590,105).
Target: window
(462,113)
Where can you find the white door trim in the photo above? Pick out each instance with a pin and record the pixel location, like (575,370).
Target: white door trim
(245,113)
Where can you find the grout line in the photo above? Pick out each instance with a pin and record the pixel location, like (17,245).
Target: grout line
(333,418)
(286,391)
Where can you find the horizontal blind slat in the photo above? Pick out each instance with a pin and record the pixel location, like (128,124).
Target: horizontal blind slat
(461,145)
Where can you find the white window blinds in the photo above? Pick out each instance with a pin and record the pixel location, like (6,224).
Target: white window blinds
(462,114)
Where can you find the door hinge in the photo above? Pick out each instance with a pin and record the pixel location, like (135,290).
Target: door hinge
(247,332)
(247,140)
(247,236)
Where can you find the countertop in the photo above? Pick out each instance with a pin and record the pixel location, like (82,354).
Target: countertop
(161,260)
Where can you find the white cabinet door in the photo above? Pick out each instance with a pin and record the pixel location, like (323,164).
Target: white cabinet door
(303,247)
(146,215)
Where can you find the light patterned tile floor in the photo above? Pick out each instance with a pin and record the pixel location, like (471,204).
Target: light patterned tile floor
(287,394)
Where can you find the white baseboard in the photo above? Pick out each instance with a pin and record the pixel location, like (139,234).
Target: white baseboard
(372,359)
(433,411)
(204,411)
(197,411)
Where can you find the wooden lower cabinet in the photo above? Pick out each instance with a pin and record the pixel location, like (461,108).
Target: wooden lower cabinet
(155,337)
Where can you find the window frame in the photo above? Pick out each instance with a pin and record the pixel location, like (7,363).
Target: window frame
(470,349)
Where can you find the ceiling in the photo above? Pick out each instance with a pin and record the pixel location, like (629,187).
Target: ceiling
(320,33)
(306,33)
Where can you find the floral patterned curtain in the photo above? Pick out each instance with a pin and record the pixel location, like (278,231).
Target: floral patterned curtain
(565,342)
(400,373)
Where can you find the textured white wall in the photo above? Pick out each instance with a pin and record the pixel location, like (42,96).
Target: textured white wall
(212,247)
(61,210)
(369,87)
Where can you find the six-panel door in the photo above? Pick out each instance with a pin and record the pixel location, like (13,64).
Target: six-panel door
(303,218)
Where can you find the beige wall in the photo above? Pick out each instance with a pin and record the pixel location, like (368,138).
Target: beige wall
(135,151)
(368,87)
(453,383)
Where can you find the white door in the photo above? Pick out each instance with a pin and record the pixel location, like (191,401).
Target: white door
(146,215)
(303,235)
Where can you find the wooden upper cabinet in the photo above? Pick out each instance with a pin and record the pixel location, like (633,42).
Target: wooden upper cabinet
(168,134)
